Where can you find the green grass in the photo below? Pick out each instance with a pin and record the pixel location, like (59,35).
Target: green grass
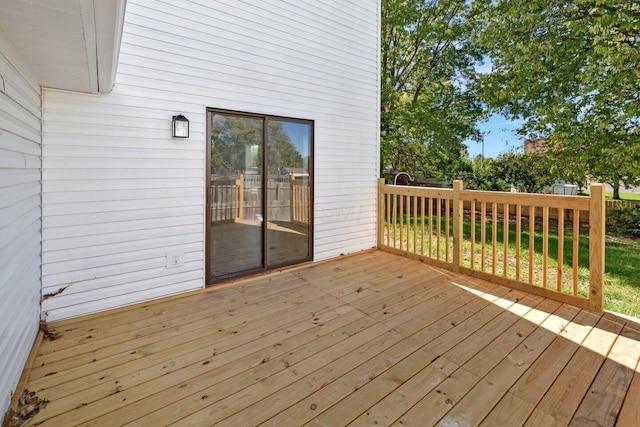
(622,278)
(631,197)
(622,255)
(624,196)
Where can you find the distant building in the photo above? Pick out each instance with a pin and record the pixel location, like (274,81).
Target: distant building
(294,171)
(535,145)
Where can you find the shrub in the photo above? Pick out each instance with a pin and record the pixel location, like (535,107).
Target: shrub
(624,220)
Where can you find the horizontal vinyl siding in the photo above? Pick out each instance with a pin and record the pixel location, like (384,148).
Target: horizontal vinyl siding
(20,217)
(119,193)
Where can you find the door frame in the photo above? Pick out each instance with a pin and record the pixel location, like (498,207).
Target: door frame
(211,281)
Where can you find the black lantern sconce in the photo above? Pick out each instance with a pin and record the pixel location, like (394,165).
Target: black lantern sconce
(180,126)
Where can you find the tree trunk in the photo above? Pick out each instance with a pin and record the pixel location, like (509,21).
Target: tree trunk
(616,190)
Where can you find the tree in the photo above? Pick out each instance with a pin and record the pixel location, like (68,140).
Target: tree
(428,101)
(528,172)
(571,70)
(484,175)
(282,152)
(238,144)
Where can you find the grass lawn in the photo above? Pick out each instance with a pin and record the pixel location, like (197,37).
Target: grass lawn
(622,278)
(624,196)
(632,197)
(622,255)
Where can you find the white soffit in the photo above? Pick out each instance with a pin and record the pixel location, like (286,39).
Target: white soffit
(68,44)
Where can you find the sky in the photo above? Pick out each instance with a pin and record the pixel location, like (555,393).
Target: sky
(499,137)
(299,135)
(499,131)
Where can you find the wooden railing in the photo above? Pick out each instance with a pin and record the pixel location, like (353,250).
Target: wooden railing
(226,200)
(300,199)
(631,204)
(507,238)
(234,200)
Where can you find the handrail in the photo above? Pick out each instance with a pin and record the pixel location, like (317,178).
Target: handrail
(524,241)
(229,200)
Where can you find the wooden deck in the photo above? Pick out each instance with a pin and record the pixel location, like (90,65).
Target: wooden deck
(237,246)
(370,339)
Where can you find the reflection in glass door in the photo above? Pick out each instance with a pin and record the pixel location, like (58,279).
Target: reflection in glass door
(288,191)
(259,196)
(235,222)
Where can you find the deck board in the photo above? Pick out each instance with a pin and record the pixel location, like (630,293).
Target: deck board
(608,390)
(369,339)
(630,411)
(570,387)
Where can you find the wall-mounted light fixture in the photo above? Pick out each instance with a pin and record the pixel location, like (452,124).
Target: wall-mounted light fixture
(180,126)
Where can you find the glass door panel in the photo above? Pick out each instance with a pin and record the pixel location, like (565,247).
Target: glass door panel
(259,193)
(235,194)
(288,191)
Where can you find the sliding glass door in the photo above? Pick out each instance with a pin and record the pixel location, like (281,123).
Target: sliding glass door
(259,196)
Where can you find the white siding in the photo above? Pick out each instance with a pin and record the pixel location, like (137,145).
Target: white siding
(20,219)
(119,193)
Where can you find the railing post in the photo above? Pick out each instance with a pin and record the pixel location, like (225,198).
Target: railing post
(381,202)
(292,197)
(597,212)
(457,225)
(240,190)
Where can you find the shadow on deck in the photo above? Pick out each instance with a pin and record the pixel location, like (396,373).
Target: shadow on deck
(366,339)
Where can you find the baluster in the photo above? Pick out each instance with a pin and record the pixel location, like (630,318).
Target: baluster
(483,236)
(473,233)
(545,245)
(505,239)
(576,248)
(518,238)
(494,235)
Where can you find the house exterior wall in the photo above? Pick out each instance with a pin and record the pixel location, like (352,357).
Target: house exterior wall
(119,193)
(20,218)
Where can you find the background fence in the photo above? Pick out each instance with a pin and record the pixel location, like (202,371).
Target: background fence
(288,197)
